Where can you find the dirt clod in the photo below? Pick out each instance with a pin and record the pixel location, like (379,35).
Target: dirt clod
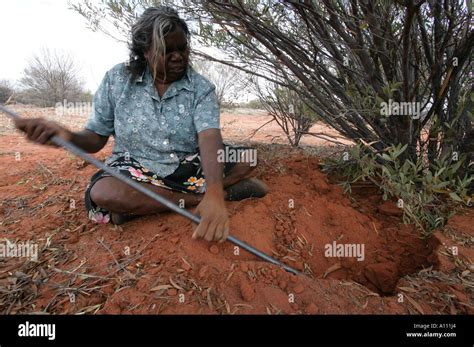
(172,292)
(311,309)
(214,249)
(246,291)
(389,208)
(298,289)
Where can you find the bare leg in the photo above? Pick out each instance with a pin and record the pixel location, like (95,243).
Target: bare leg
(239,172)
(115,196)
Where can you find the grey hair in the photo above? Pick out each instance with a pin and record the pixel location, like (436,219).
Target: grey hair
(148,34)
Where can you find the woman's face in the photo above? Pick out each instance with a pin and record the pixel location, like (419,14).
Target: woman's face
(173,65)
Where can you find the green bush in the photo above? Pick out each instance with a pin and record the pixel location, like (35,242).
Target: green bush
(428,194)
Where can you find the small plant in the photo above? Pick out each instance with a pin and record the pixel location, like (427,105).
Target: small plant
(288,110)
(428,194)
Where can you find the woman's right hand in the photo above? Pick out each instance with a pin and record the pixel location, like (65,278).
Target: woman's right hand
(40,130)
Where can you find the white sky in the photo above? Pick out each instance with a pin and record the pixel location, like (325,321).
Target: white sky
(28,25)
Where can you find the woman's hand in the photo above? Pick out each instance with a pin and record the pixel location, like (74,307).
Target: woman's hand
(40,130)
(214,224)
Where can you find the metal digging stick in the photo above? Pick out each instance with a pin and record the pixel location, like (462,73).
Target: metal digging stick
(115,173)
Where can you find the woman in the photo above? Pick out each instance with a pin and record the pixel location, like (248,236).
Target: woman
(164,118)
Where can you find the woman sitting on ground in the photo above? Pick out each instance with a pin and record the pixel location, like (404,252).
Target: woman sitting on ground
(164,117)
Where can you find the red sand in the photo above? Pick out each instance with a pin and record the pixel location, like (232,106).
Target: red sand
(151,265)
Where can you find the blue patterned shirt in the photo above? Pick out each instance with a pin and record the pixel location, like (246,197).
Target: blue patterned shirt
(156,131)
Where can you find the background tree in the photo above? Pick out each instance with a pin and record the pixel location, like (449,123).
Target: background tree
(287,109)
(231,83)
(51,77)
(6,91)
(113,18)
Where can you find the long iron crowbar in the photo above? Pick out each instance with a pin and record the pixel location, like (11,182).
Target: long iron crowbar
(137,186)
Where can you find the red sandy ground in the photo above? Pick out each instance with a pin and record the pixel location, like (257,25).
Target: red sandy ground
(163,262)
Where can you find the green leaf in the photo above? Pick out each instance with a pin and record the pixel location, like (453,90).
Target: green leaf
(429,177)
(364,25)
(440,171)
(385,171)
(441,185)
(456,166)
(455,196)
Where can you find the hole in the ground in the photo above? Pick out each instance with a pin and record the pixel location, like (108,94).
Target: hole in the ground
(391,249)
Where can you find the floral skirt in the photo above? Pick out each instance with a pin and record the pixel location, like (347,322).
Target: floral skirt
(188,178)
